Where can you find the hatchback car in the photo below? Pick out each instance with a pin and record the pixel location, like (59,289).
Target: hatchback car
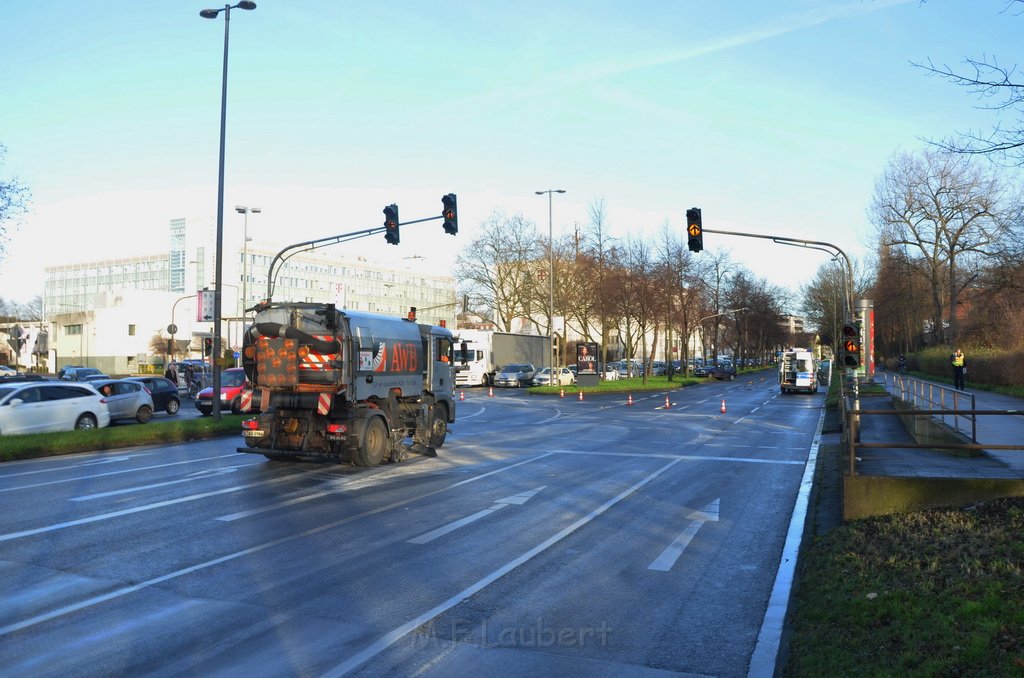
(7,371)
(515,375)
(126,399)
(42,406)
(164,392)
(233,383)
(563,377)
(81,373)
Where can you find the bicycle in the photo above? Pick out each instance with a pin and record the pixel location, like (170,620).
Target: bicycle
(194,387)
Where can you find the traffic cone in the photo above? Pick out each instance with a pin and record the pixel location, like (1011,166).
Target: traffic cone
(723,405)
(629,399)
(490,391)
(667,403)
(581,394)
(462,395)
(561,393)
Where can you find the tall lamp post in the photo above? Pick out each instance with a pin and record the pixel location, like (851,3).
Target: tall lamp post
(551,277)
(242,209)
(218,267)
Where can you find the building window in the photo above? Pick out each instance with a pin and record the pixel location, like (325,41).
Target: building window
(131,330)
(72,329)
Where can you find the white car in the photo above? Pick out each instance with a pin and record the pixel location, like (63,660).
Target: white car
(564,377)
(7,371)
(42,406)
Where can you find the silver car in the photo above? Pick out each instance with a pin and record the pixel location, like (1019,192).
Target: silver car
(42,406)
(563,377)
(515,375)
(126,399)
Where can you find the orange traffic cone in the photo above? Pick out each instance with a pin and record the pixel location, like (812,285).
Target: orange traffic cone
(629,399)
(462,395)
(490,391)
(581,394)
(723,405)
(667,403)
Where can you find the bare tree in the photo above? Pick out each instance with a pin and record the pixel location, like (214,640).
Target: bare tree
(14,199)
(497,269)
(991,81)
(948,214)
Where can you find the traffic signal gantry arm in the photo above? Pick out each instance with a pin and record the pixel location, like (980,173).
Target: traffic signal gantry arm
(448,214)
(802,243)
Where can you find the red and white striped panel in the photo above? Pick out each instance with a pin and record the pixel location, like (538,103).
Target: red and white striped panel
(318,361)
(323,403)
(246,401)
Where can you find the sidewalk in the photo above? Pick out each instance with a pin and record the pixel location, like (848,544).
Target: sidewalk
(993,429)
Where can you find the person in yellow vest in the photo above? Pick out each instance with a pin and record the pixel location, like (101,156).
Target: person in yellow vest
(957,360)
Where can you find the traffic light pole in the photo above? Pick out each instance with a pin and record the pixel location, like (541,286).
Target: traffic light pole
(804,243)
(308,245)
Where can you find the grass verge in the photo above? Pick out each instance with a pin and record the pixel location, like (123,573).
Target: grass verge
(113,437)
(929,593)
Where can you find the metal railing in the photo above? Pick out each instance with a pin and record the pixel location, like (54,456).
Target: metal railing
(952,407)
(851,417)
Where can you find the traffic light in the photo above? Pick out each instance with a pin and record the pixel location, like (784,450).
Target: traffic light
(391,224)
(208,346)
(851,345)
(694,230)
(450,214)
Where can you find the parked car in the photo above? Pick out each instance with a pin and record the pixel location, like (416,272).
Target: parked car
(80,373)
(42,406)
(7,371)
(723,371)
(233,383)
(563,377)
(164,392)
(515,375)
(126,399)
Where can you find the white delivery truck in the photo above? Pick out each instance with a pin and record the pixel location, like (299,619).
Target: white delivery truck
(798,371)
(488,351)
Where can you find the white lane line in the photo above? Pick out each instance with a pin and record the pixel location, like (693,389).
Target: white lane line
(670,555)
(398,633)
(118,593)
(108,473)
(769,638)
(345,486)
(517,499)
(190,478)
(10,536)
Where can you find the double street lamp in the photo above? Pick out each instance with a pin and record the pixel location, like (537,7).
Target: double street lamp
(218,267)
(551,277)
(242,209)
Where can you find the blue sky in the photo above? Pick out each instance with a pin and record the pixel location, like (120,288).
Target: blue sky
(772,117)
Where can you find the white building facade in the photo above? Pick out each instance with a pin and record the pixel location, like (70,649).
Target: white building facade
(107,313)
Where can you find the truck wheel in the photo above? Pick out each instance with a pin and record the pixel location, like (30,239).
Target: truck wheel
(374,447)
(438,426)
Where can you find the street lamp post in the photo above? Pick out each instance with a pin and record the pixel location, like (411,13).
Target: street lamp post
(218,266)
(551,276)
(242,209)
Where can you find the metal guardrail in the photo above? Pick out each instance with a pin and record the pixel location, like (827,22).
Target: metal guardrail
(851,417)
(952,407)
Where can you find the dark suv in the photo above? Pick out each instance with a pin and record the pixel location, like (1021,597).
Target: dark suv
(164,392)
(79,373)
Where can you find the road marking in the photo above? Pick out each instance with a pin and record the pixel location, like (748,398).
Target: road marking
(518,499)
(118,593)
(670,555)
(108,473)
(399,632)
(192,477)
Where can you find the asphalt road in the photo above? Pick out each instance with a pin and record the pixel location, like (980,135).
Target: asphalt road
(549,537)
